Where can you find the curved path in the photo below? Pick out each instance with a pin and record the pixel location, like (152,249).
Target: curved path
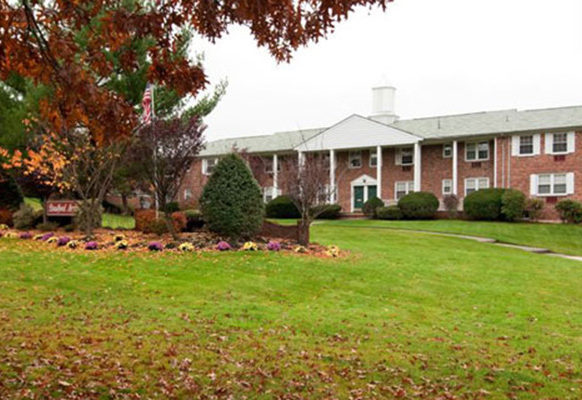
(538,250)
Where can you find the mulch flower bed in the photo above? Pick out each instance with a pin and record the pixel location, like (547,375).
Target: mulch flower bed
(135,241)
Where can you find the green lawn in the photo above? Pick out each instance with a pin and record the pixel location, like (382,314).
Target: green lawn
(403,315)
(562,238)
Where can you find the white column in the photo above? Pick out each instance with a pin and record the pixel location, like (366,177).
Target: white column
(417,167)
(495,162)
(275,175)
(379,171)
(455,165)
(300,158)
(332,187)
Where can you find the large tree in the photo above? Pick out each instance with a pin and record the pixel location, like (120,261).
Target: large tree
(74,47)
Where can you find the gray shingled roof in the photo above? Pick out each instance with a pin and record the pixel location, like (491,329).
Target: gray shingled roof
(474,124)
(493,122)
(280,141)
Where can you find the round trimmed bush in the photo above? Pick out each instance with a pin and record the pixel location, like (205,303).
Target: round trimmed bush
(570,211)
(282,207)
(370,206)
(418,205)
(390,212)
(484,204)
(327,211)
(231,203)
(512,204)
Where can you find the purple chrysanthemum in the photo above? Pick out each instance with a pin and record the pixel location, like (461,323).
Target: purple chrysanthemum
(274,246)
(91,245)
(47,236)
(63,241)
(25,235)
(223,246)
(155,246)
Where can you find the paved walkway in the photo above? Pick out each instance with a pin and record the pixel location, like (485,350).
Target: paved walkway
(529,249)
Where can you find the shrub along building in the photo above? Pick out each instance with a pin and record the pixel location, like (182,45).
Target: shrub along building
(538,152)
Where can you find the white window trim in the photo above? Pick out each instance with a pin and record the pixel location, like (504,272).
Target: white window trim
(205,164)
(477,151)
(450,145)
(516,145)
(398,156)
(477,186)
(534,184)
(450,185)
(350,157)
(409,188)
(270,190)
(187,194)
(570,140)
(372,151)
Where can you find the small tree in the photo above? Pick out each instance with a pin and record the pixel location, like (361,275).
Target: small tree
(166,149)
(231,202)
(307,184)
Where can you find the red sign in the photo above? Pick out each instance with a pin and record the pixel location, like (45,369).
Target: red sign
(61,208)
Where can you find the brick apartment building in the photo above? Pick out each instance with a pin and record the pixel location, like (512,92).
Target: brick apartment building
(538,152)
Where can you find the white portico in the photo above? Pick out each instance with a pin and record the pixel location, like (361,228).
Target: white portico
(357,133)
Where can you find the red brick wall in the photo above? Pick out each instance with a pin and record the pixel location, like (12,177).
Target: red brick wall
(517,170)
(467,169)
(435,168)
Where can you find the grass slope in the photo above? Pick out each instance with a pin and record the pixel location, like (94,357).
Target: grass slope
(404,315)
(562,238)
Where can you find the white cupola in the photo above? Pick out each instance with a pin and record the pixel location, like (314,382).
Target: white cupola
(383,103)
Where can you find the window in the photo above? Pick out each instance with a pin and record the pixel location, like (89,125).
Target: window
(526,145)
(355,159)
(552,184)
(477,151)
(401,189)
(474,184)
(447,186)
(208,165)
(187,194)
(405,156)
(373,158)
(560,143)
(268,161)
(447,150)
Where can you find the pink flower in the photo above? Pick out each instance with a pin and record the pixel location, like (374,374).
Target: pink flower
(25,235)
(155,246)
(223,246)
(274,246)
(91,246)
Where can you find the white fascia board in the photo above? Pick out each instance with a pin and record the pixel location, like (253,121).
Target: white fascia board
(358,132)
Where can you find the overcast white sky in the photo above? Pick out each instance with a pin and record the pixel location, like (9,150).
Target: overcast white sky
(443,56)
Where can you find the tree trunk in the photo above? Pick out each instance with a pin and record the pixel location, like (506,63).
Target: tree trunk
(124,206)
(303,232)
(170,225)
(44,216)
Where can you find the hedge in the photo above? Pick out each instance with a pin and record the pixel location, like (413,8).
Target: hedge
(328,211)
(390,212)
(484,204)
(418,205)
(370,206)
(282,207)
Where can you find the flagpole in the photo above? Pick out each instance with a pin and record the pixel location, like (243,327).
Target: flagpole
(156,200)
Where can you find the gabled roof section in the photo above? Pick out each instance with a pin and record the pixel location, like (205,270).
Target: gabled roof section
(357,132)
(494,122)
(277,142)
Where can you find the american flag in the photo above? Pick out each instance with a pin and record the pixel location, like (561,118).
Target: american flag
(147,104)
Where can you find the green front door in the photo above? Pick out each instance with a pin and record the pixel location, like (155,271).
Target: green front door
(358,196)
(372,192)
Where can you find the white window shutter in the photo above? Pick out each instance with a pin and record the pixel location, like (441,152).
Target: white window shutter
(548,143)
(515,145)
(533,184)
(571,142)
(536,143)
(398,157)
(204,165)
(570,183)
